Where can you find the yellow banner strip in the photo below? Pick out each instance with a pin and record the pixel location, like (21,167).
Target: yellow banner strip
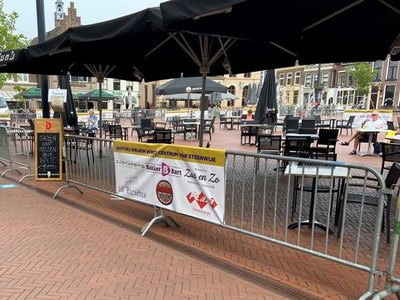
(215,157)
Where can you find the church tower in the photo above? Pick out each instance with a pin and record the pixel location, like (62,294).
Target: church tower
(59,14)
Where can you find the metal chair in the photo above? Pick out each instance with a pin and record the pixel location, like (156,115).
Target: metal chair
(390,153)
(359,197)
(292,125)
(269,144)
(248,131)
(326,144)
(343,124)
(209,126)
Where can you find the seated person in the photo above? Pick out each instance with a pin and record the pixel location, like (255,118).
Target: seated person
(375,123)
(249,115)
(91,124)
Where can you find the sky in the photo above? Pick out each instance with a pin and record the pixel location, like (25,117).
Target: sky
(90,11)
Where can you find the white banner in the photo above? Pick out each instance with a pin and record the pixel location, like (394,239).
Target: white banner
(362,115)
(187,180)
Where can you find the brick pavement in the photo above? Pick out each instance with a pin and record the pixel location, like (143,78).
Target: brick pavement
(303,272)
(50,250)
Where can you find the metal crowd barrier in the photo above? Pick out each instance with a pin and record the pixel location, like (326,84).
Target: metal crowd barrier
(271,198)
(15,148)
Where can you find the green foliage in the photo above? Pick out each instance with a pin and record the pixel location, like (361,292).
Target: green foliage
(363,76)
(9,40)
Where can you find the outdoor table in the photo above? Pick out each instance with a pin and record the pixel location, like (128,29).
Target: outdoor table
(313,136)
(127,127)
(395,138)
(311,172)
(232,118)
(370,135)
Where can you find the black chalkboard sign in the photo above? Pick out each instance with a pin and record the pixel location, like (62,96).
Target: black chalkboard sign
(48,155)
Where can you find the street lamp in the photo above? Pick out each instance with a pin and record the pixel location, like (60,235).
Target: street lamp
(188,91)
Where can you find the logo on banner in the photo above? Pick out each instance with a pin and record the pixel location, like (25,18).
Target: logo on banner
(165,169)
(164,192)
(48,125)
(201,199)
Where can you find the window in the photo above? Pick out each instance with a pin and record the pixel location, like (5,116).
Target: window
(392,70)
(104,85)
(351,80)
(325,79)
(289,79)
(297,78)
(308,80)
(342,80)
(232,90)
(23,77)
(79,78)
(378,67)
(281,79)
(389,91)
(247,75)
(116,85)
(315,80)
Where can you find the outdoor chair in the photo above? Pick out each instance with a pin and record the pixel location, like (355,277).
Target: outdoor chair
(269,144)
(116,132)
(390,153)
(223,121)
(357,196)
(147,126)
(298,146)
(308,123)
(76,145)
(326,144)
(283,123)
(345,124)
(292,125)
(209,126)
(390,125)
(398,122)
(319,123)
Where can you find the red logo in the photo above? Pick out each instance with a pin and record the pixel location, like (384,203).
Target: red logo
(201,199)
(48,125)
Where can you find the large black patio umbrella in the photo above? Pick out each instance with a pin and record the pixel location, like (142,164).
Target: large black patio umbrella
(179,85)
(160,54)
(314,31)
(267,99)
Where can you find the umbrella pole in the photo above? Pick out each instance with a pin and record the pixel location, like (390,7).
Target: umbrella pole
(202,103)
(100,102)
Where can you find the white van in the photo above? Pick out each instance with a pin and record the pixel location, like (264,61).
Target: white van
(3,106)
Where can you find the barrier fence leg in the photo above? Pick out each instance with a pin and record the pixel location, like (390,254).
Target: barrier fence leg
(390,287)
(67,186)
(158,218)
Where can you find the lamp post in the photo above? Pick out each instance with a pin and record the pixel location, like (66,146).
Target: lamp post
(44,83)
(188,91)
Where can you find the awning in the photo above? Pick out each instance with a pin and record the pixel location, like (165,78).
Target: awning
(8,95)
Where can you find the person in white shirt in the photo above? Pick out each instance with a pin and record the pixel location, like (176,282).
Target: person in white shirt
(375,123)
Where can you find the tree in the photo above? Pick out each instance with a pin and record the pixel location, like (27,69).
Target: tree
(8,39)
(363,76)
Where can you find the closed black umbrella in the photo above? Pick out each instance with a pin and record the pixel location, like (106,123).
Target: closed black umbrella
(267,100)
(70,117)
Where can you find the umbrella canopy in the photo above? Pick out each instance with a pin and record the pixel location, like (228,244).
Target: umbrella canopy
(267,99)
(314,31)
(160,54)
(32,93)
(95,95)
(196,96)
(179,85)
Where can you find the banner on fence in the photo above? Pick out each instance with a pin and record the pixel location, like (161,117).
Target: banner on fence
(186,180)
(362,115)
